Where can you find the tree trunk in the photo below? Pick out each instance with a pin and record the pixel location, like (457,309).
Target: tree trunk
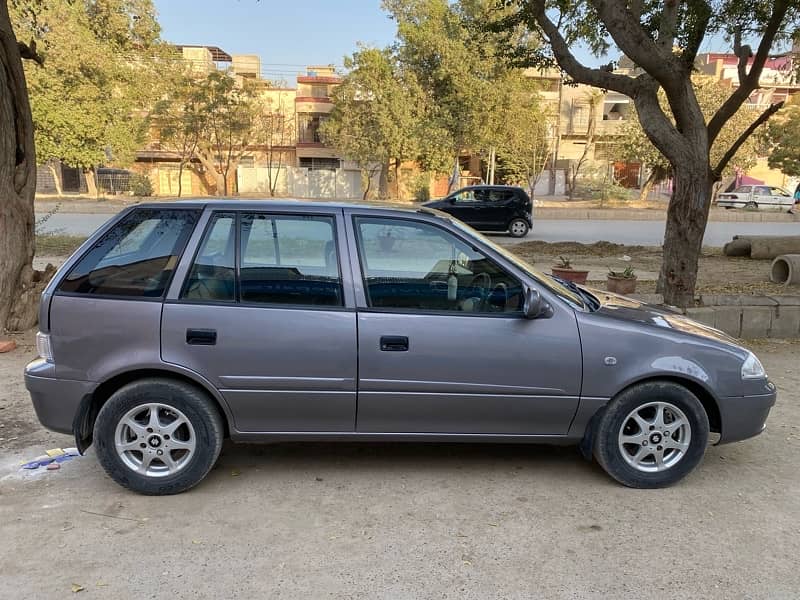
(383,183)
(683,239)
(91,182)
(17,187)
(648,185)
(397,179)
(56,173)
(181,166)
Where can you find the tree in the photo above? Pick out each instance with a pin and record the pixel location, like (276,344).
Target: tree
(783,135)
(593,100)
(377,111)
(228,110)
(17,181)
(522,132)
(101,73)
(633,144)
(180,123)
(663,39)
(461,74)
(275,131)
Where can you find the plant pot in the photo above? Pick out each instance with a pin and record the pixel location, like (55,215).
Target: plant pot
(571,274)
(621,285)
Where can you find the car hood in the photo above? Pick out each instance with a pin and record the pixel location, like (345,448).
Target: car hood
(628,309)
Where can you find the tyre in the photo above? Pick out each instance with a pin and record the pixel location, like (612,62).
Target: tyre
(652,435)
(518,228)
(751,205)
(158,436)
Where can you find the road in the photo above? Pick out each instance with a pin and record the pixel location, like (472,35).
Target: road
(645,233)
(404,521)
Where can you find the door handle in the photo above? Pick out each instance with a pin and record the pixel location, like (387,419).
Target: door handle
(201,337)
(394,343)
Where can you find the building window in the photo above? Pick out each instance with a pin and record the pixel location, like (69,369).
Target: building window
(308,128)
(319,91)
(319,164)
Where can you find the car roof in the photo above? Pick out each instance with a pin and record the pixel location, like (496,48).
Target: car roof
(485,186)
(290,203)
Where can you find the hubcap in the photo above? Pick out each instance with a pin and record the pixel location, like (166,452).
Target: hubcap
(155,440)
(654,437)
(518,228)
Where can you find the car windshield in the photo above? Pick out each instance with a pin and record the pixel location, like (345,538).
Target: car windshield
(571,296)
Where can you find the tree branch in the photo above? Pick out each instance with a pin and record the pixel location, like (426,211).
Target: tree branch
(632,39)
(657,127)
(666,29)
(567,61)
(696,33)
(28,51)
(743,53)
(750,82)
(763,118)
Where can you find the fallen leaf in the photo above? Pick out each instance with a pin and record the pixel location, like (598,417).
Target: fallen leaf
(76,587)
(235,473)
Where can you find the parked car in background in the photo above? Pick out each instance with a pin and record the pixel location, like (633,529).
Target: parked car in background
(757,197)
(177,325)
(490,208)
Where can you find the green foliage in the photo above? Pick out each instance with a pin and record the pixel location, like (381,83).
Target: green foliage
(100,73)
(783,135)
(141,186)
(626,273)
(211,118)
(377,110)
(634,146)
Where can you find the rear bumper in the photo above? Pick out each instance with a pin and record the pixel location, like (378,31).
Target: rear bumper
(744,416)
(55,401)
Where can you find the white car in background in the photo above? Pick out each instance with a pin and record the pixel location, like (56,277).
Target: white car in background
(765,197)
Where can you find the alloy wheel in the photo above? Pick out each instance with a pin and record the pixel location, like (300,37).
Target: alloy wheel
(654,437)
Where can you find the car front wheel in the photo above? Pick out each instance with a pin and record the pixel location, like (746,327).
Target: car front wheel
(158,436)
(518,228)
(652,435)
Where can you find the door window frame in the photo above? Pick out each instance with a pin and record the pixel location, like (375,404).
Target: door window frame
(362,300)
(183,270)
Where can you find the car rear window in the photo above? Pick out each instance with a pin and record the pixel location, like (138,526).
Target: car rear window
(136,257)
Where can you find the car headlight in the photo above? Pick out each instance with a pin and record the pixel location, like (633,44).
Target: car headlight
(752,368)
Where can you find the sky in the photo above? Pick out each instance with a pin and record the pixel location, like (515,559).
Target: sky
(291,34)
(286,34)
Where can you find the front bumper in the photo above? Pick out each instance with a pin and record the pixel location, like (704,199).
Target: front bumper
(743,417)
(55,401)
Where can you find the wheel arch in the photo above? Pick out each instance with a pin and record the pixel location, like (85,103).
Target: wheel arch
(83,425)
(703,394)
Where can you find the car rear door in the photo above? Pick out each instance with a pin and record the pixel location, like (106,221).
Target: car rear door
(264,311)
(499,208)
(443,345)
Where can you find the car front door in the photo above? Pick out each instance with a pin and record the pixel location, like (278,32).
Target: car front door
(443,344)
(264,311)
(469,206)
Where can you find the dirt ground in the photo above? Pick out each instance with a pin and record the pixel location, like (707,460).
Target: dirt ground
(404,521)
(718,274)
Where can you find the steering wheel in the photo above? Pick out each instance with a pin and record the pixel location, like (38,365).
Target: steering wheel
(502,289)
(485,286)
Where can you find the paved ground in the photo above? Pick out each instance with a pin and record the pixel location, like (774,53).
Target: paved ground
(404,521)
(648,233)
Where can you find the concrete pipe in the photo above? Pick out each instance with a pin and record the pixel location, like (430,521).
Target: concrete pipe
(785,269)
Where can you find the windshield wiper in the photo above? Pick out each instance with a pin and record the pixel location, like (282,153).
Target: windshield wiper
(587,297)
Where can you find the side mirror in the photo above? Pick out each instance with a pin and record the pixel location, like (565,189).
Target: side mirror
(536,307)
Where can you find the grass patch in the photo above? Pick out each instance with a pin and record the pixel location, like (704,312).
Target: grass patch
(57,245)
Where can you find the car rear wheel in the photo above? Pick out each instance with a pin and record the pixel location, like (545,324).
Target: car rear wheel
(652,435)
(158,436)
(751,205)
(518,228)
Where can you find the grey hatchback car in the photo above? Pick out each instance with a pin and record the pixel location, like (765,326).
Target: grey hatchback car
(178,325)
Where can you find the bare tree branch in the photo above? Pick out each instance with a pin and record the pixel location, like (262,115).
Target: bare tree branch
(28,51)
(763,118)
(696,34)
(743,53)
(750,82)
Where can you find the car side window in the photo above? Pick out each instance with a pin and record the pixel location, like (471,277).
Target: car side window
(500,196)
(213,272)
(413,265)
(136,257)
(467,197)
(289,259)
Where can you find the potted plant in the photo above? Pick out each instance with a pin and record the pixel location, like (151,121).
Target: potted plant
(564,270)
(621,282)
